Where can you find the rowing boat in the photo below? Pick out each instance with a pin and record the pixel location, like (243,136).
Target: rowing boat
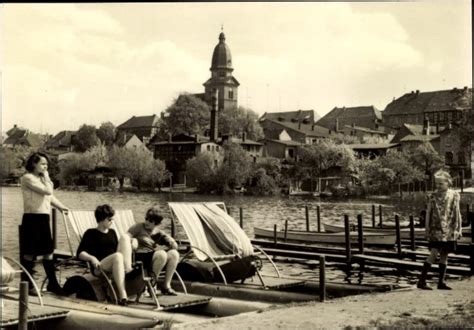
(404,232)
(329,238)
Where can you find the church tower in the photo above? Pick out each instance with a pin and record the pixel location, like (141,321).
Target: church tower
(221,82)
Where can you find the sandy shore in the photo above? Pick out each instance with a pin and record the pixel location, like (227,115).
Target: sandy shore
(407,307)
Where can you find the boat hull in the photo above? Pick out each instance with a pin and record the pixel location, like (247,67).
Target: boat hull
(404,232)
(328,238)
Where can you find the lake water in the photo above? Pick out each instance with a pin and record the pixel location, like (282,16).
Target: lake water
(257,211)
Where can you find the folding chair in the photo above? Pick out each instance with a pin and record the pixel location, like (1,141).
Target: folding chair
(80,221)
(214,235)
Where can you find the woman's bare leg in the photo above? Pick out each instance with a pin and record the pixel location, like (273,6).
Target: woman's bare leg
(114,264)
(125,248)
(173,258)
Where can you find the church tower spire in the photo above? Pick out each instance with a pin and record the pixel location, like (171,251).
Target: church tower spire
(222,81)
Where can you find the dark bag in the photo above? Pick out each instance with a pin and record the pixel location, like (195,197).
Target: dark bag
(237,269)
(81,287)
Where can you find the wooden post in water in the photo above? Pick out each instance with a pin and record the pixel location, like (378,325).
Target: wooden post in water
(399,242)
(472,258)
(462,181)
(275,236)
(286,230)
(373,216)
(380,216)
(322,278)
(471,221)
(241,216)
(307,217)
(318,213)
(360,232)
(228,210)
(412,233)
(173,229)
(54,221)
(347,235)
(23,308)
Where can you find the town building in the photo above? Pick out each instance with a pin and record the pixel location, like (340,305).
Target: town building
(180,148)
(144,127)
(372,150)
(364,116)
(221,81)
(21,137)
(364,134)
(129,141)
(294,117)
(282,149)
(298,132)
(61,143)
(439,107)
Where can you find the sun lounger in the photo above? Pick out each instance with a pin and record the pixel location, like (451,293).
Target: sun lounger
(213,234)
(81,221)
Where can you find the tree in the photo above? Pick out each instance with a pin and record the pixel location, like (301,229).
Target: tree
(12,161)
(262,183)
(325,155)
(236,167)
(240,120)
(106,133)
(139,165)
(187,115)
(425,158)
(86,137)
(120,160)
(201,172)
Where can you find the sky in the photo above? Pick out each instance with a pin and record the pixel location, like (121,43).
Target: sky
(64,65)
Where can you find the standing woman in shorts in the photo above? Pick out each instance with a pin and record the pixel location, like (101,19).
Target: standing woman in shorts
(443,227)
(35,234)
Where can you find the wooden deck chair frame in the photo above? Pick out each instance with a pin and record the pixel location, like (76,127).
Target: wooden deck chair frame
(145,276)
(175,222)
(30,277)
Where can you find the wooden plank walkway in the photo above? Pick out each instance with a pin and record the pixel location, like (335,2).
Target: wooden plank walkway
(36,313)
(406,264)
(274,283)
(172,302)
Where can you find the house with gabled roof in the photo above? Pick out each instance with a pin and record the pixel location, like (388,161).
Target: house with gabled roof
(23,137)
(294,117)
(299,132)
(439,107)
(362,116)
(365,134)
(144,127)
(61,142)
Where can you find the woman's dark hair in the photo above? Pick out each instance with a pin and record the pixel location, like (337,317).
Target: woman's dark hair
(153,215)
(103,212)
(33,160)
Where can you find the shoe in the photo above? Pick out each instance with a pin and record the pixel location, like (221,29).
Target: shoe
(123,302)
(168,292)
(422,285)
(443,286)
(56,290)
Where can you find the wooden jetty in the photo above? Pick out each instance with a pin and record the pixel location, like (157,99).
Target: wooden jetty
(36,313)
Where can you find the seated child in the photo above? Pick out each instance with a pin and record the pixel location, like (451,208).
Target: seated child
(155,247)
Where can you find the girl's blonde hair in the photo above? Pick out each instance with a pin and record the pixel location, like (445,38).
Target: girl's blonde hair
(443,175)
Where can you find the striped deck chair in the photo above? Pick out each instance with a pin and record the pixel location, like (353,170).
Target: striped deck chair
(81,221)
(214,235)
